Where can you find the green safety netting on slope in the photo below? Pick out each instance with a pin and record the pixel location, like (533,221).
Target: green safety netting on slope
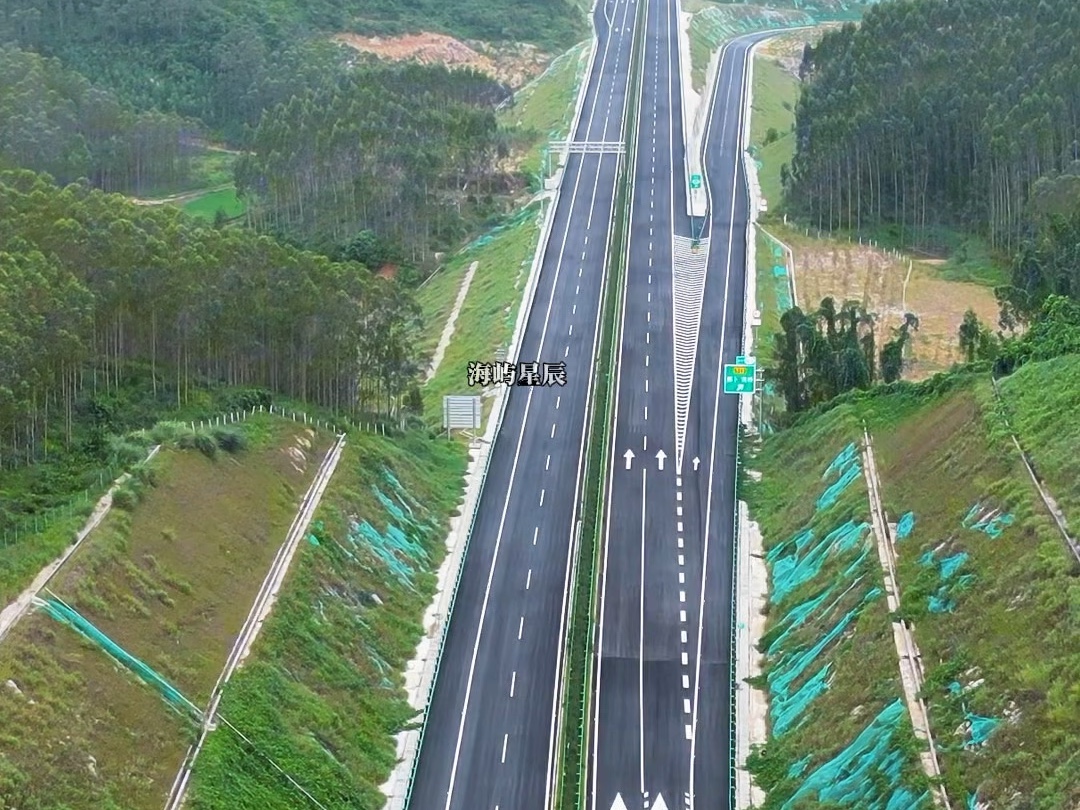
(905,526)
(65,614)
(991,522)
(867,773)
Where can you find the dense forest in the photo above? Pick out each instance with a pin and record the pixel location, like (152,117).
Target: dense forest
(224,62)
(391,149)
(53,120)
(90,284)
(935,112)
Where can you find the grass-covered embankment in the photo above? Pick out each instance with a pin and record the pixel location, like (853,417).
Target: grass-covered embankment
(169,575)
(985,578)
(323,692)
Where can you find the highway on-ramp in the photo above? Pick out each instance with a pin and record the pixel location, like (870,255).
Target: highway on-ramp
(490,734)
(661,724)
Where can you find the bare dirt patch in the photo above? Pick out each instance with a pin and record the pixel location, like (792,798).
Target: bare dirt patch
(825,267)
(512,64)
(787,49)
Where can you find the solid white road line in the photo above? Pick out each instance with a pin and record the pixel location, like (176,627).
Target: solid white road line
(641,636)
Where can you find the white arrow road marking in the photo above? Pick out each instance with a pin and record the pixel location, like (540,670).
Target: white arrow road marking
(697,461)
(660,456)
(629,456)
(659,804)
(618,804)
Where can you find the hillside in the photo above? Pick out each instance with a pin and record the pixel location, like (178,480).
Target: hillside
(986,581)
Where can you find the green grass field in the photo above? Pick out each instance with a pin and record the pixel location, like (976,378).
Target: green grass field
(209,168)
(208,205)
(775,94)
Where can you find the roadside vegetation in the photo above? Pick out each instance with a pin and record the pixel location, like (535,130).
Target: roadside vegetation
(322,695)
(169,576)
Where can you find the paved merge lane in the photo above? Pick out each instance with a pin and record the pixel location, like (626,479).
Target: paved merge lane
(661,726)
(489,740)
(712,429)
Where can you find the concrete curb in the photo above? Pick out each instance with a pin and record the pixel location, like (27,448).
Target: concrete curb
(421,671)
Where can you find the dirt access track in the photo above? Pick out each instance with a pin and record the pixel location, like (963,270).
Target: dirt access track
(513,64)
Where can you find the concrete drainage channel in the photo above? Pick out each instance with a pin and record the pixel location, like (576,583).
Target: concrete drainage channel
(422,672)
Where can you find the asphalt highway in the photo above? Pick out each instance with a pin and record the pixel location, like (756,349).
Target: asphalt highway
(489,741)
(661,725)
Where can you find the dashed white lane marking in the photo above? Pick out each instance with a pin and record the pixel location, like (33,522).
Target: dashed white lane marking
(505,738)
(646,337)
(685,659)
(650,227)
(683,636)
(646,413)
(646,386)
(678,511)
(575,310)
(682,616)
(513,682)
(521,627)
(682,596)
(547,464)
(682,576)
(583,255)
(649,300)
(571,330)
(689,731)
(678,495)
(678,480)
(677,525)
(685,681)
(528,579)
(579,271)
(682,560)
(542,503)
(686,705)
(536,532)
(650,246)
(648,316)
(586,240)
(558,402)
(567,352)
(679,541)
(646,360)
(577,289)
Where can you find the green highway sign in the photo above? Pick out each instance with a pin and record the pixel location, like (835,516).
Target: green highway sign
(740,379)
(695,181)
(741,360)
